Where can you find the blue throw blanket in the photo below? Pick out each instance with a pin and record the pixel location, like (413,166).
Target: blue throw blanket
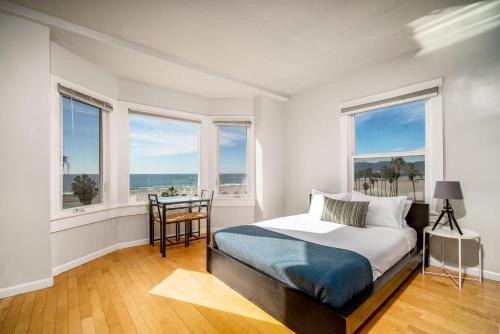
(332,275)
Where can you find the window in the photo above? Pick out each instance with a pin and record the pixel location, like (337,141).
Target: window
(389,153)
(164,156)
(232,178)
(81,153)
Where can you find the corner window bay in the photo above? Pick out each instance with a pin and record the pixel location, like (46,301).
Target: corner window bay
(389,151)
(81,154)
(164,156)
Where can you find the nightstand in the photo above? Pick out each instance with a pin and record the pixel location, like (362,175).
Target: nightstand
(445,232)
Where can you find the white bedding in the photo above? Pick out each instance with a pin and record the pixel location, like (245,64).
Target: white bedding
(382,246)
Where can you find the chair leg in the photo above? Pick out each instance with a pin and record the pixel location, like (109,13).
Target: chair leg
(208,230)
(164,249)
(161,237)
(151,231)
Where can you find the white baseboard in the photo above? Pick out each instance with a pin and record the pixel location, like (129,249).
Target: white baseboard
(488,274)
(94,255)
(26,287)
(44,283)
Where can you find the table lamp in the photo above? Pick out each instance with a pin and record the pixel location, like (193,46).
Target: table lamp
(448,190)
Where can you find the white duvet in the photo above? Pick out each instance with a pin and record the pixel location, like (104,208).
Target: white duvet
(382,246)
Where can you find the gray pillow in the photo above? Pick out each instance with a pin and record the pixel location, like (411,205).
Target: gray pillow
(345,212)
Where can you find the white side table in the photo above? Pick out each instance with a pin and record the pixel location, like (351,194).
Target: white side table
(445,232)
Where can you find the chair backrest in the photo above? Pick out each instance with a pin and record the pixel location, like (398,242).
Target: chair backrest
(207,194)
(154,206)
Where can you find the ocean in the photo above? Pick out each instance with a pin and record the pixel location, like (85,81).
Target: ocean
(138,181)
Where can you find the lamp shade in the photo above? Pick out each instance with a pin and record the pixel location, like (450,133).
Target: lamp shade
(448,190)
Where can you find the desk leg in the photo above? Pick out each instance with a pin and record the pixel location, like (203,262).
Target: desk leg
(460,263)
(423,255)
(442,252)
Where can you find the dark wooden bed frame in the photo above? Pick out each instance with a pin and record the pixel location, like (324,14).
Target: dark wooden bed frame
(304,314)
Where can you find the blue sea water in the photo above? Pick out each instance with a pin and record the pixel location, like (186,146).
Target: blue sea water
(138,181)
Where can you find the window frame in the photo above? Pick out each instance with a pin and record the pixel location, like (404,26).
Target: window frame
(250,161)
(433,151)
(57,172)
(174,117)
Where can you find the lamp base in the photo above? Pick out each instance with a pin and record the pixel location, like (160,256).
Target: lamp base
(448,210)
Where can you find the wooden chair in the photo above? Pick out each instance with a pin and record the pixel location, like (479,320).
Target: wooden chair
(205,194)
(156,216)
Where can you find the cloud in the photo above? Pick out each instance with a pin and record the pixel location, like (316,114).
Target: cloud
(150,137)
(407,113)
(232,136)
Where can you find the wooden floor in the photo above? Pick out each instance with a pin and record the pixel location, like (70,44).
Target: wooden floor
(135,290)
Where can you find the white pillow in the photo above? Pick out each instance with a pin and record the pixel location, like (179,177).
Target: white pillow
(318,201)
(383,211)
(405,212)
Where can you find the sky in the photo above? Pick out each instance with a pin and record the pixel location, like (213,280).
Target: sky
(392,129)
(232,149)
(161,146)
(156,145)
(81,136)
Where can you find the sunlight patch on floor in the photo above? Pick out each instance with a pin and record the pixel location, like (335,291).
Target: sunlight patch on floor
(205,290)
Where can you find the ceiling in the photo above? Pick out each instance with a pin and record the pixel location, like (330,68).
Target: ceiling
(238,48)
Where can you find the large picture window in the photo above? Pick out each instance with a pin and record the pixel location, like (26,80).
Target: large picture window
(232,178)
(164,156)
(81,154)
(389,151)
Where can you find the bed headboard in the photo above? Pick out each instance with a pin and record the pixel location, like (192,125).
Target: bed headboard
(418,218)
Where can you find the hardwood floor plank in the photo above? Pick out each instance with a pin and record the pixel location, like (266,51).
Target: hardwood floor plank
(36,321)
(23,322)
(10,322)
(136,290)
(62,308)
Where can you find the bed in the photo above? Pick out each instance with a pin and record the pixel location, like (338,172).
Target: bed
(370,264)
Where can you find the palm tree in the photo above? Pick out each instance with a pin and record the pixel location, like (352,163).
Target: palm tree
(383,175)
(84,188)
(170,192)
(368,175)
(365,186)
(411,171)
(391,181)
(396,165)
(66,163)
(357,179)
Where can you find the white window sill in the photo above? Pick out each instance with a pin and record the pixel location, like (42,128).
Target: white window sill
(69,220)
(233,201)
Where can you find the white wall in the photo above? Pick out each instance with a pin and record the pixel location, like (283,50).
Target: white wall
(230,107)
(471,106)
(68,65)
(24,152)
(269,158)
(73,244)
(138,92)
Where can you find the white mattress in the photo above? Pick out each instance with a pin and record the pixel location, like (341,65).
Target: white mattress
(382,246)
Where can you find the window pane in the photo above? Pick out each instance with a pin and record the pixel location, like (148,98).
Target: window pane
(401,176)
(81,154)
(393,129)
(233,160)
(164,157)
